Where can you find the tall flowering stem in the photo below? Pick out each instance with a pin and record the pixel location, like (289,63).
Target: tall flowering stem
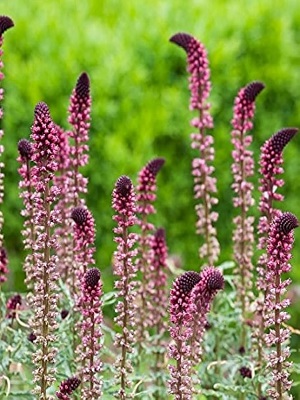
(146,196)
(180,384)
(91,334)
(190,301)
(79,118)
(27,195)
(271,162)
(124,204)
(202,168)
(279,246)
(5,24)
(242,170)
(44,301)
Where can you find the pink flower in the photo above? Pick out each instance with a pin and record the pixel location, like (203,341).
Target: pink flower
(3,265)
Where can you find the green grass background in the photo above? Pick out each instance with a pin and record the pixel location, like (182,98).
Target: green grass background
(140,101)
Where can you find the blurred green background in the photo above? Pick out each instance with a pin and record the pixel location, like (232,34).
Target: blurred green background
(140,101)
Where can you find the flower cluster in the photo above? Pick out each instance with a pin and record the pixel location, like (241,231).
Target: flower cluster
(124,204)
(242,170)
(91,334)
(202,169)
(44,299)
(190,301)
(279,246)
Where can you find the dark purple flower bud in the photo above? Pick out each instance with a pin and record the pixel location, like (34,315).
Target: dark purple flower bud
(287,222)
(182,39)
(252,90)
(67,387)
(187,281)
(242,350)
(79,215)
(5,23)
(155,165)
(25,148)
(215,281)
(31,337)
(64,314)
(245,372)
(280,139)
(123,186)
(92,277)
(82,88)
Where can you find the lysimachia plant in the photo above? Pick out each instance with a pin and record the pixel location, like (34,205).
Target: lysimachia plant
(205,332)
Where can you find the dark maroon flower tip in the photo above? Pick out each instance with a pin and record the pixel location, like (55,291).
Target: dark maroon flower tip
(82,88)
(287,222)
(215,281)
(280,139)
(160,233)
(5,23)
(182,40)
(242,350)
(246,372)
(25,148)
(253,89)
(92,277)
(41,110)
(155,165)
(73,383)
(188,280)
(31,337)
(123,186)
(79,215)
(64,314)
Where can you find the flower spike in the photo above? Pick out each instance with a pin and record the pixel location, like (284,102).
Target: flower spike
(82,88)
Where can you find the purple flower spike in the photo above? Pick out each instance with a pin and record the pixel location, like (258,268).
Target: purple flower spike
(5,23)
(252,90)
(202,165)
(279,246)
(182,39)
(155,165)
(82,88)
(187,281)
(215,281)
(25,149)
(123,186)
(280,139)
